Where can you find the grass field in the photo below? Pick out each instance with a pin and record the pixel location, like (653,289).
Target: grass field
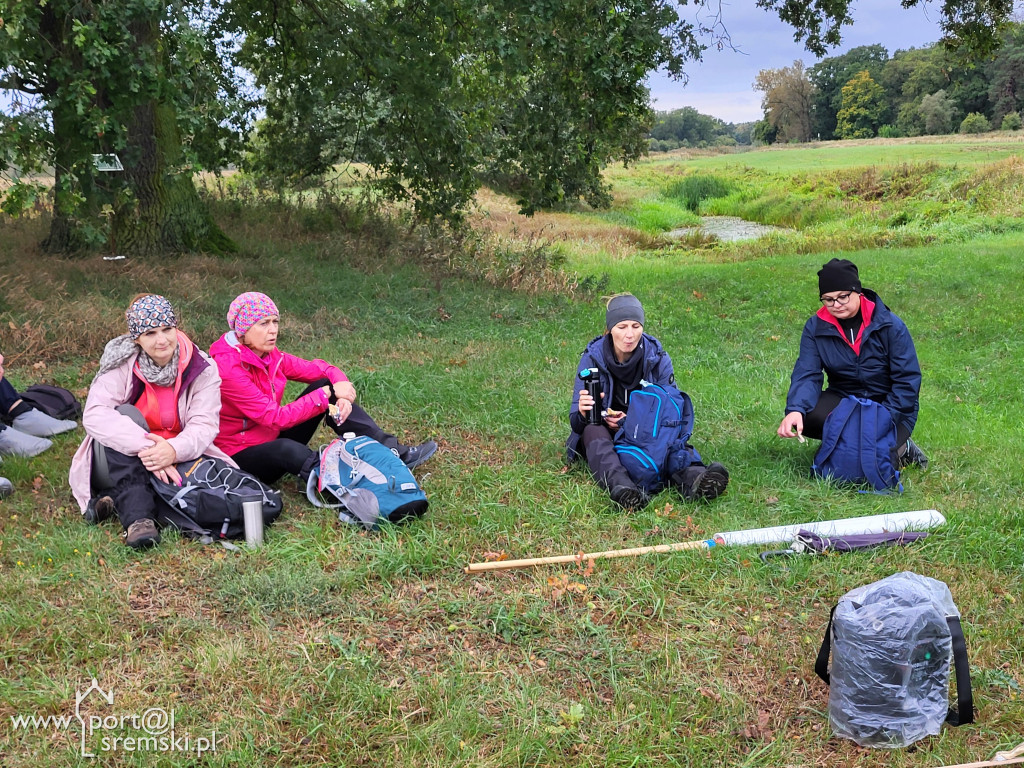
(334,647)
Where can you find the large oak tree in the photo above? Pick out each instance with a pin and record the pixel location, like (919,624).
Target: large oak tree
(133,79)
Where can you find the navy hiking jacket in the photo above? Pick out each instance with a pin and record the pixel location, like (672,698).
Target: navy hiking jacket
(880,365)
(657,369)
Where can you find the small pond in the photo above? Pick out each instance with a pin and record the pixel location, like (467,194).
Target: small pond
(728,229)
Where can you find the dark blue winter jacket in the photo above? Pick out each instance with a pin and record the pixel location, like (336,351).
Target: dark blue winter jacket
(657,367)
(881,365)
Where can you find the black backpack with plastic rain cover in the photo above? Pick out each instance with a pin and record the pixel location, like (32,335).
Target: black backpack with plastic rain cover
(892,644)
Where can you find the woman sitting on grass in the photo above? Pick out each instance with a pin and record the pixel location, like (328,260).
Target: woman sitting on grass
(269,439)
(175,388)
(624,356)
(865,350)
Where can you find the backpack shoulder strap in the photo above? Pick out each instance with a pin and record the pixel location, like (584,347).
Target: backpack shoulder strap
(832,430)
(821,663)
(867,447)
(964,711)
(311,491)
(869,418)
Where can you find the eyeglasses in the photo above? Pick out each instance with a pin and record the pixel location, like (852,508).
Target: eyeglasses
(842,298)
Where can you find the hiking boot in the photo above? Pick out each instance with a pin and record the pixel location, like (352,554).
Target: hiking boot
(709,484)
(913,455)
(629,497)
(99,509)
(142,534)
(6,487)
(417,454)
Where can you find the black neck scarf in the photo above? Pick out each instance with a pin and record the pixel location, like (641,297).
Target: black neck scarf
(625,376)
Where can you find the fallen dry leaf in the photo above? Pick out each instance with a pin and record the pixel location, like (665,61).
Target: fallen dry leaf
(584,570)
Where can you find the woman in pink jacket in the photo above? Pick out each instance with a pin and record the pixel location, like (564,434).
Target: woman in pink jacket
(157,369)
(265,437)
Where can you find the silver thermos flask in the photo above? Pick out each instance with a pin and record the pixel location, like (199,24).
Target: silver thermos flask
(252,514)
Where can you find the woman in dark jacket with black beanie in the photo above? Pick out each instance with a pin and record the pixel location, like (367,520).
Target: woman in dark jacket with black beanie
(865,350)
(624,356)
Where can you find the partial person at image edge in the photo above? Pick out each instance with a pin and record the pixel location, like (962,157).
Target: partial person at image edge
(865,350)
(265,437)
(24,429)
(625,356)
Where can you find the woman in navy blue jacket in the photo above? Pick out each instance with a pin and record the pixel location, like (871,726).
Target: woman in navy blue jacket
(865,350)
(624,356)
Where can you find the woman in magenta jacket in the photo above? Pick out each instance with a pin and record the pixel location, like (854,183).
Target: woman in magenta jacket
(265,437)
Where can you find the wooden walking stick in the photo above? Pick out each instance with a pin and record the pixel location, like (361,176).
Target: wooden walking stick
(902,521)
(1009,757)
(504,565)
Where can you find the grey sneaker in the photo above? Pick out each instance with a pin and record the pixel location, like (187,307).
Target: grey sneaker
(419,453)
(15,443)
(6,487)
(709,484)
(35,422)
(142,534)
(913,455)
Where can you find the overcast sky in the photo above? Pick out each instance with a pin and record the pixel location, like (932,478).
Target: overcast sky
(721,85)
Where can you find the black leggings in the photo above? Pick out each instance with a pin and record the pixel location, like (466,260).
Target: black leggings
(290,452)
(814,422)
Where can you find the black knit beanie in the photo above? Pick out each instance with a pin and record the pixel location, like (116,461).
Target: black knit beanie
(838,275)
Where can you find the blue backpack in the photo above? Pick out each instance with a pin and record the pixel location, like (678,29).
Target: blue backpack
(858,445)
(651,443)
(366,482)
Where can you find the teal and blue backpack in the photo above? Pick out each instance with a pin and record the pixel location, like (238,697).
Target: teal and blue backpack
(858,445)
(366,482)
(652,441)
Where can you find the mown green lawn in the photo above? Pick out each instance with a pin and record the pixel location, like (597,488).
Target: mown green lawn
(335,647)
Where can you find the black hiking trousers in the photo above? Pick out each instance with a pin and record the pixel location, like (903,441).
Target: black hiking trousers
(290,452)
(598,448)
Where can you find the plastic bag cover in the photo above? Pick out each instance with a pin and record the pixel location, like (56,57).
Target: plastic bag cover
(891,657)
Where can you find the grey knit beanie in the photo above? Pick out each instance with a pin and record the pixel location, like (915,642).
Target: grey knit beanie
(624,307)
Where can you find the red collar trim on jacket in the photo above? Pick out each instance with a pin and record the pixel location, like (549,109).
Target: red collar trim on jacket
(867,309)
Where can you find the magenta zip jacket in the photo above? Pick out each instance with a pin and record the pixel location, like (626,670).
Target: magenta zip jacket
(252,388)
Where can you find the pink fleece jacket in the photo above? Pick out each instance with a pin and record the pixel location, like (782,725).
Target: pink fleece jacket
(252,388)
(198,409)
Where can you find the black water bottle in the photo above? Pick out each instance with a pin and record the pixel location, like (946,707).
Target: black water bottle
(591,379)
